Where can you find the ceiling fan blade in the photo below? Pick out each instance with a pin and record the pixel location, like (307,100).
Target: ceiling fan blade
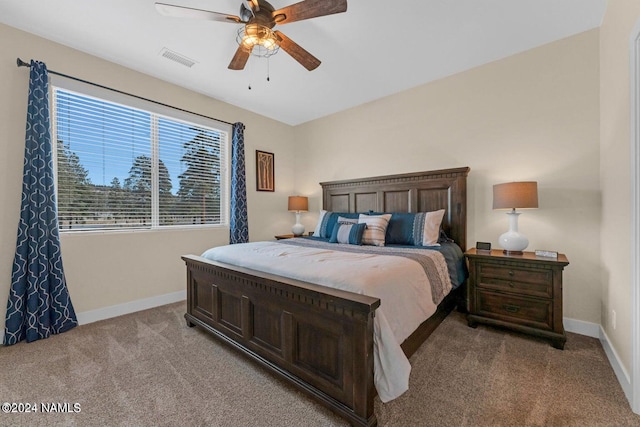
(189,12)
(255,5)
(246,13)
(307,60)
(308,9)
(239,60)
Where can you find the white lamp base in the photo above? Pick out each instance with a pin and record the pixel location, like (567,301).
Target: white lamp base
(297,229)
(513,242)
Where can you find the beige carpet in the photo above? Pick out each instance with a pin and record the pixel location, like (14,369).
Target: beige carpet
(150,369)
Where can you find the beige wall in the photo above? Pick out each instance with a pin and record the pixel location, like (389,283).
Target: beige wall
(538,116)
(532,116)
(619,20)
(113,268)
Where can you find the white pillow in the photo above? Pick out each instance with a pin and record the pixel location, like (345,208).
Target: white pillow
(316,232)
(376,228)
(427,228)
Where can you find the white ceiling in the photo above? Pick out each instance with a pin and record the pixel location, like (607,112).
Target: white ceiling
(374,49)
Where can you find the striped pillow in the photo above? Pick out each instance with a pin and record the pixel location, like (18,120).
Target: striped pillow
(328,220)
(321,227)
(376,228)
(343,220)
(347,233)
(426,228)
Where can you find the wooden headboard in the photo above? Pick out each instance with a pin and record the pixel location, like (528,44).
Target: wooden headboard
(410,192)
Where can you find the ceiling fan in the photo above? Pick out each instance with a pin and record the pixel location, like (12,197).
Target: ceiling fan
(259,19)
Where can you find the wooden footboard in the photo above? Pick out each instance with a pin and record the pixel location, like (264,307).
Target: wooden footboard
(317,338)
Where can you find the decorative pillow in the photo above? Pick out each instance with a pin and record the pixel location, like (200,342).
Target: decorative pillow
(343,220)
(400,230)
(347,233)
(426,228)
(328,220)
(376,228)
(321,227)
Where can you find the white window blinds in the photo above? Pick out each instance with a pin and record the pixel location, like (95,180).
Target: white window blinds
(120,166)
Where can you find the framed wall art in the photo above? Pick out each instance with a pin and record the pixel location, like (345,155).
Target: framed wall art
(265,177)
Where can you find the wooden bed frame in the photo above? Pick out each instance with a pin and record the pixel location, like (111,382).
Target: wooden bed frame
(317,338)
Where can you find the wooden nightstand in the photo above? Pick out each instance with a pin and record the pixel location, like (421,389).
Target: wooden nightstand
(285,236)
(291,236)
(520,292)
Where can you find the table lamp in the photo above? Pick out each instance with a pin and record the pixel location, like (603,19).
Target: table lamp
(514,195)
(298,204)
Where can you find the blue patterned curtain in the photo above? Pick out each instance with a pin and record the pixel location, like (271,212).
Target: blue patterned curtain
(39,303)
(239,223)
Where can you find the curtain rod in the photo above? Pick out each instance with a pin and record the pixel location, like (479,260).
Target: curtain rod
(21,63)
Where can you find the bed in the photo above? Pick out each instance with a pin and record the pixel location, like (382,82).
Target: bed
(321,339)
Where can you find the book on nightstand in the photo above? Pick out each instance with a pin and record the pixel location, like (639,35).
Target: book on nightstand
(546,254)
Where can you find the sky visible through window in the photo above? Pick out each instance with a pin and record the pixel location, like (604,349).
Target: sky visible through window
(107,176)
(108,137)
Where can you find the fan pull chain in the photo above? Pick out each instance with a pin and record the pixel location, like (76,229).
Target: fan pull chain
(268,79)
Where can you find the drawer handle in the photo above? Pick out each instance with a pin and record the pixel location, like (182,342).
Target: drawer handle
(510,272)
(511,284)
(511,308)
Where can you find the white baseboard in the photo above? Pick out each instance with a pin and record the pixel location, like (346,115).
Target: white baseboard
(125,308)
(596,331)
(621,373)
(581,327)
(129,307)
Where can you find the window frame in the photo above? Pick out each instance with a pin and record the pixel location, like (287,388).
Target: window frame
(156,109)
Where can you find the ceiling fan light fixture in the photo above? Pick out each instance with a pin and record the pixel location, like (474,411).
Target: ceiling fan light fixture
(256,36)
(260,39)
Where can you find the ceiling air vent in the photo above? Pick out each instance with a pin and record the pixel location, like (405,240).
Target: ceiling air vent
(176,57)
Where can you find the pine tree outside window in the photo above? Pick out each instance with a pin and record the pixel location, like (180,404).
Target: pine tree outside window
(129,167)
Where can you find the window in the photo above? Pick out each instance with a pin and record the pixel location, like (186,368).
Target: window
(124,167)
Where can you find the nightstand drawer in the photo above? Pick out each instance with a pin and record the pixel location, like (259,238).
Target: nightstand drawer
(534,282)
(525,311)
(522,292)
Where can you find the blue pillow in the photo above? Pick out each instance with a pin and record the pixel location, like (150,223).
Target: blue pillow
(347,233)
(400,229)
(328,220)
(415,229)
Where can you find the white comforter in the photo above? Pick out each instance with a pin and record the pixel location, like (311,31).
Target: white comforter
(400,283)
